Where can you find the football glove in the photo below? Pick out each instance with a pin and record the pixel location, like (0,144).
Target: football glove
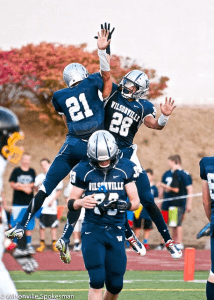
(123,205)
(108,51)
(107,204)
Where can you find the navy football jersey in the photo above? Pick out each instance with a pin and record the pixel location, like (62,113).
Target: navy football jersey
(82,106)
(207,173)
(93,181)
(123,118)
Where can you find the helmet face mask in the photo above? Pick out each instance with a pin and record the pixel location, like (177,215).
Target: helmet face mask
(102,147)
(134,85)
(74,73)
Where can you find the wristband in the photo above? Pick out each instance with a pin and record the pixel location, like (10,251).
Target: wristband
(104,64)
(70,204)
(163,120)
(129,205)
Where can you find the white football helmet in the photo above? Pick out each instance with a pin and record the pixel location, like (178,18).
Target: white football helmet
(134,78)
(101,147)
(74,73)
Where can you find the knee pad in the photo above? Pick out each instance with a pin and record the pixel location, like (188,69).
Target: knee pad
(96,279)
(114,287)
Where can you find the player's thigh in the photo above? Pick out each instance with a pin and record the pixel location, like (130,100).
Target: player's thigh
(67,157)
(144,190)
(93,249)
(116,255)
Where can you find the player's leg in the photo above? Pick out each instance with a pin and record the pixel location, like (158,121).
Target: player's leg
(210,280)
(59,169)
(147,200)
(115,265)
(136,245)
(94,252)
(62,244)
(147,229)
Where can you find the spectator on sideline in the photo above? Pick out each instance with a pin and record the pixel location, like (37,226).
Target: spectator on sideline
(176,182)
(48,218)
(22,182)
(147,226)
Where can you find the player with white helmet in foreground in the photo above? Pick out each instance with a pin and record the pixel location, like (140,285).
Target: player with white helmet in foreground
(101,185)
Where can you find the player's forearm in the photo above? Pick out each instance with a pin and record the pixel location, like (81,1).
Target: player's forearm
(77,204)
(135,203)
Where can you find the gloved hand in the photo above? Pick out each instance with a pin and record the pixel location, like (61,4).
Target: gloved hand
(107,28)
(107,204)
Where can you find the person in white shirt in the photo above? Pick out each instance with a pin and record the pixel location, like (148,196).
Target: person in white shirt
(48,216)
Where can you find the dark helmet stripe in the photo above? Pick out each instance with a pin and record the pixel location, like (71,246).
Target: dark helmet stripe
(109,153)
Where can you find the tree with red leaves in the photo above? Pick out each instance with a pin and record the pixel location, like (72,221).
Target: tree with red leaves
(30,75)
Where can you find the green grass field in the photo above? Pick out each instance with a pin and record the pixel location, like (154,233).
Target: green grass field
(138,285)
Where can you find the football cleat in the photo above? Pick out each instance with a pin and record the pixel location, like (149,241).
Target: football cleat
(205,231)
(136,245)
(62,245)
(172,248)
(15,232)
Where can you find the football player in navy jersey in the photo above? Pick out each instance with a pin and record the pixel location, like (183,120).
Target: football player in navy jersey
(207,176)
(125,111)
(83,113)
(101,185)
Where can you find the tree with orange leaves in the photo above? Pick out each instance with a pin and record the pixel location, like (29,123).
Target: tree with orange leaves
(30,75)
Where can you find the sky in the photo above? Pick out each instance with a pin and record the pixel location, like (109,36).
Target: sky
(176,38)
